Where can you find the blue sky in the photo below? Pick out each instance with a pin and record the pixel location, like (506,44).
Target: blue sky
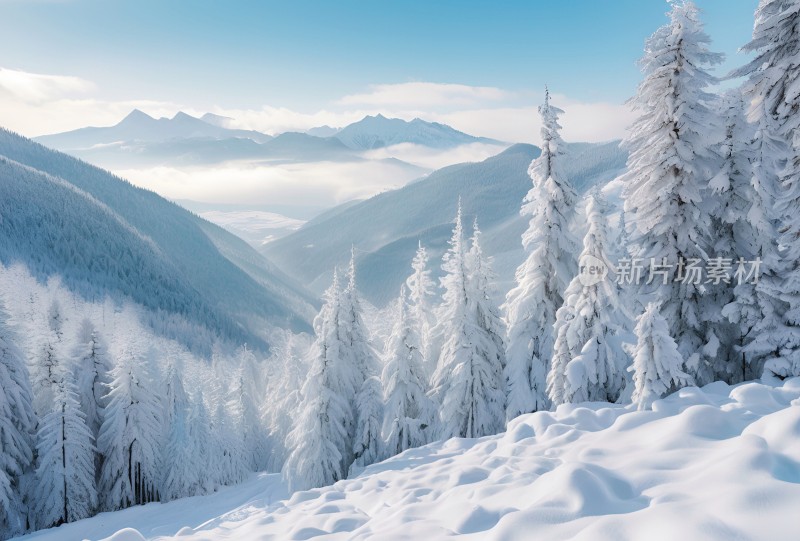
(305,56)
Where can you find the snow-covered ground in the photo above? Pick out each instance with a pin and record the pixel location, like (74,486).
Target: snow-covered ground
(719,463)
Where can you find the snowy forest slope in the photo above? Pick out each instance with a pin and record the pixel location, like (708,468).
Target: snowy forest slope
(694,468)
(63,216)
(386,228)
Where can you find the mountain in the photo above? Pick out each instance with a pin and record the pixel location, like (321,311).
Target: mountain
(720,463)
(139,126)
(373,132)
(386,228)
(103,236)
(323,131)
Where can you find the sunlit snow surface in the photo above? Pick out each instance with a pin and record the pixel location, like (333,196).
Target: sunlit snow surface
(719,463)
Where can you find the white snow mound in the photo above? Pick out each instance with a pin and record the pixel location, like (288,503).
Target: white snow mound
(717,463)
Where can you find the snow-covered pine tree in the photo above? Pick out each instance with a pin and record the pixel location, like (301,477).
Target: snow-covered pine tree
(368,445)
(180,469)
(420,294)
(409,410)
(658,368)
(55,319)
(208,457)
(44,373)
(733,309)
(92,367)
(321,442)
(481,285)
(542,278)
(360,358)
(131,433)
(65,474)
(673,154)
(589,360)
(469,377)
(247,415)
(284,384)
(774,90)
(227,460)
(17,423)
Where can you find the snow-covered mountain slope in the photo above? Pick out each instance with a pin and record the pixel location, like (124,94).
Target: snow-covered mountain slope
(102,235)
(717,463)
(378,131)
(139,126)
(385,229)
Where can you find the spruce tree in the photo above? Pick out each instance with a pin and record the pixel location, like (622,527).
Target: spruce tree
(409,411)
(772,88)
(469,377)
(321,442)
(658,368)
(589,360)
(420,294)
(65,473)
(542,278)
(17,423)
(672,156)
(131,434)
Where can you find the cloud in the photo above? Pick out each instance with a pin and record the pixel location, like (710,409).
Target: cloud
(432,158)
(422,94)
(36,88)
(315,185)
(582,121)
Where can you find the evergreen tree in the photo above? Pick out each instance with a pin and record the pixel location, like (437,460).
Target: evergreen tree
(246,411)
(542,278)
(130,436)
(17,422)
(487,313)
(421,291)
(181,469)
(733,309)
(321,442)
(360,359)
(774,92)
(658,368)
(55,319)
(469,377)
(672,157)
(589,360)
(92,367)
(227,462)
(368,445)
(214,467)
(65,474)
(409,411)
(44,373)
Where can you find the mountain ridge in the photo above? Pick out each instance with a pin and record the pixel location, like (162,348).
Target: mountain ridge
(195,266)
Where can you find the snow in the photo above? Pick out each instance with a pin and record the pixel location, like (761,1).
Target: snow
(717,463)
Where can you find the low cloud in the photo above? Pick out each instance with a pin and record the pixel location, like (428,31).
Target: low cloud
(432,158)
(315,185)
(422,94)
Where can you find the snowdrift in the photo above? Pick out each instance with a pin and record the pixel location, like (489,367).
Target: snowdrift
(717,463)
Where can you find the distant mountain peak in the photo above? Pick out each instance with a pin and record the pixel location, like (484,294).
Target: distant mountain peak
(137,115)
(216,120)
(180,115)
(372,132)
